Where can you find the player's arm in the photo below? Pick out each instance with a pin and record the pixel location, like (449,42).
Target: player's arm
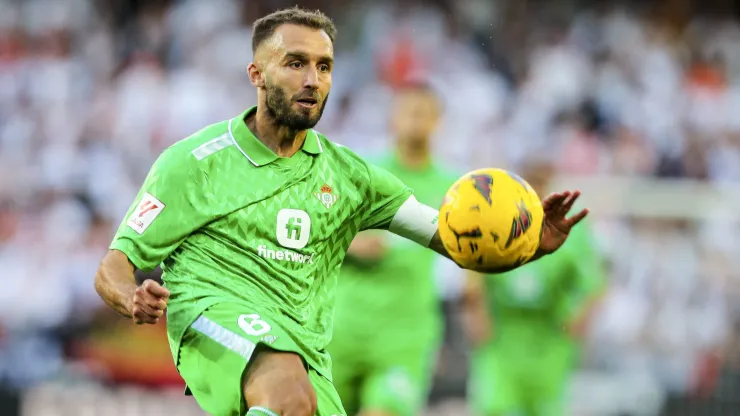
(418,222)
(164,213)
(392,206)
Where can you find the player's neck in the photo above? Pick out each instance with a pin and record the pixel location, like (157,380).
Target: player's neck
(413,157)
(284,141)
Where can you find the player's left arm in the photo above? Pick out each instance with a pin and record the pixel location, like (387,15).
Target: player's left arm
(392,206)
(556,228)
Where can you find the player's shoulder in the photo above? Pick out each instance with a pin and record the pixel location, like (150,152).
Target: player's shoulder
(185,154)
(203,142)
(340,152)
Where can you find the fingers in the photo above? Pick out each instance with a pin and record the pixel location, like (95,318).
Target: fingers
(561,201)
(150,301)
(572,221)
(146,314)
(568,202)
(554,200)
(155,289)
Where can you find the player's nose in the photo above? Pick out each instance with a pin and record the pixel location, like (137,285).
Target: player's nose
(311,79)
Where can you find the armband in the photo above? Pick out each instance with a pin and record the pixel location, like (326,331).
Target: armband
(415,221)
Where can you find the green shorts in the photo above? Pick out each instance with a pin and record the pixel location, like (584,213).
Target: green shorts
(502,385)
(377,376)
(215,352)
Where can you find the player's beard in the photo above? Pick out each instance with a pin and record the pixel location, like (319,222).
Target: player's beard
(280,108)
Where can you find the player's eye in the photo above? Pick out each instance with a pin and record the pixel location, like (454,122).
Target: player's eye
(324,68)
(296,65)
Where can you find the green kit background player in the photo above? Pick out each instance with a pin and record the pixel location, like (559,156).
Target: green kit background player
(250,219)
(526,324)
(387,319)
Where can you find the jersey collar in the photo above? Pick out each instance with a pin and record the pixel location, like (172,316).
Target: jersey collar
(256,151)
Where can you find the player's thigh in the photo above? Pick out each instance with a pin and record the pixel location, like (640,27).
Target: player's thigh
(492,388)
(217,350)
(213,374)
(327,398)
(279,381)
(398,385)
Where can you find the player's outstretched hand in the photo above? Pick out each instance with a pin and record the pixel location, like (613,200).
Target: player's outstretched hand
(557,225)
(150,301)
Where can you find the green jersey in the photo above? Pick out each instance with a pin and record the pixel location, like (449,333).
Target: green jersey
(531,305)
(396,296)
(229,220)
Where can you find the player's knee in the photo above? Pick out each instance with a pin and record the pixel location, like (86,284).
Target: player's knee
(307,403)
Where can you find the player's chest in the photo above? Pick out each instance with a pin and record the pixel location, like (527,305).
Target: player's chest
(297,212)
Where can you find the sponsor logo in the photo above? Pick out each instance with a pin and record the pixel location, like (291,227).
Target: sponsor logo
(293,228)
(146,212)
(285,255)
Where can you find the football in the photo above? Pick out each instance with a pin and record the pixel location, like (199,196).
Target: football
(491,219)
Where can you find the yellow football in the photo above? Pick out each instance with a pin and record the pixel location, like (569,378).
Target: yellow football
(491,219)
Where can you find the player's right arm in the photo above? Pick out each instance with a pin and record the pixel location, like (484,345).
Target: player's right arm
(169,207)
(116,284)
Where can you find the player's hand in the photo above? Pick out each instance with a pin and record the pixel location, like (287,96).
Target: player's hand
(557,225)
(149,303)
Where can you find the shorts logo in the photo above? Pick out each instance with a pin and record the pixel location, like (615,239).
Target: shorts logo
(146,211)
(252,325)
(293,228)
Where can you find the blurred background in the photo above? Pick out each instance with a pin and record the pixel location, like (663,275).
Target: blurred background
(637,102)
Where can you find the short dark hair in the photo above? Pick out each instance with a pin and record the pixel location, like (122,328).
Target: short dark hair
(264,27)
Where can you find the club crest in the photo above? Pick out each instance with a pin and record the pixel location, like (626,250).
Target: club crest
(326,196)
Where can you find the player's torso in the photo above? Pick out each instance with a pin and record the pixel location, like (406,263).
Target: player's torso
(279,231)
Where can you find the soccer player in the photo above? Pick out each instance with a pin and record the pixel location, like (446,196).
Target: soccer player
(250,219)
(387,320)
(525,324)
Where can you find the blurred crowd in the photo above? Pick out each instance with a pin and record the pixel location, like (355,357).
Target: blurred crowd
(92,91)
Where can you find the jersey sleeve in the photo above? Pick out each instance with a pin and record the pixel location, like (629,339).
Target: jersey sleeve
(385,196)
(170,205)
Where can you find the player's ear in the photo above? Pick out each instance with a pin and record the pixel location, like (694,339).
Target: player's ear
(255,76)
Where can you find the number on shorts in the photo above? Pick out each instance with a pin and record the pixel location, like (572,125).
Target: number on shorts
(252,325)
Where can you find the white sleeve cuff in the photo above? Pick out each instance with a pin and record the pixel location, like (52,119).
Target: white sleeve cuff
(415,221)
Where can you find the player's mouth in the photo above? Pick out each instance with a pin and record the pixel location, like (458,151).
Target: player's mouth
(307,102)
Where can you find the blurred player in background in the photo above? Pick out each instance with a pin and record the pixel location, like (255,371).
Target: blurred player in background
(525,325)
(387,318)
